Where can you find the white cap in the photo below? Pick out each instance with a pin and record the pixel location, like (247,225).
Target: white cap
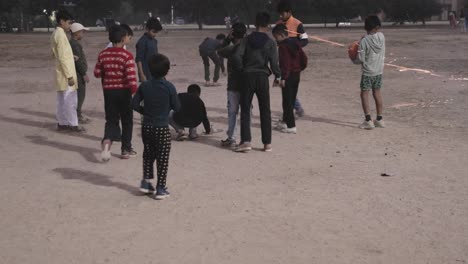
(75,27)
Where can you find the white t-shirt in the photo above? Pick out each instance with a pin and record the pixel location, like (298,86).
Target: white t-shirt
(110,45)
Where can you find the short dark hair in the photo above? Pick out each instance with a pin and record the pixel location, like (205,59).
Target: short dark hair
(280,29)
(116,34)
(262,19)
(194,89)
(372,22)
(159,65)
(284,6)
(239,30)
(153,24)
(220,36)
(128,29)
(63,15)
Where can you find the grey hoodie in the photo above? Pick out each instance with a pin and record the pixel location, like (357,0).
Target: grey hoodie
(372,54)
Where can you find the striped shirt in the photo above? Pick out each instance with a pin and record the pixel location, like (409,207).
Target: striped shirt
(116,67)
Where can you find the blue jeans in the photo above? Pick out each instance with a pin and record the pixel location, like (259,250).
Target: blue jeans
(233,106)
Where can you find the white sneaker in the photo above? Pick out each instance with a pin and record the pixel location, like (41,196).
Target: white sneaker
(292,130)
(379,124)
(281,125)
(367,125)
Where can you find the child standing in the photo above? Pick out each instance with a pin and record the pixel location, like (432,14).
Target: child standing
(295,31)
(160,97)
(292,60)
(129,32)
(208,49)
(234,82)
(252,57)
(81,65)
(372,56)
(66,78)
(116,67)
(146,47)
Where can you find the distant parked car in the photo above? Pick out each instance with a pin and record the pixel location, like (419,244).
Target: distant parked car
(179,21)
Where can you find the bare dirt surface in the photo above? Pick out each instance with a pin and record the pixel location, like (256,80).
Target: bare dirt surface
(319,197)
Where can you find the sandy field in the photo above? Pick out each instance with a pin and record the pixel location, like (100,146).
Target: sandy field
(319,197)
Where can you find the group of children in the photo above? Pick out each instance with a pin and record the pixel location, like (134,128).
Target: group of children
(251,60)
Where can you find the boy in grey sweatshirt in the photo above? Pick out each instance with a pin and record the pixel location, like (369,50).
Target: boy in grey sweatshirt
(371,56)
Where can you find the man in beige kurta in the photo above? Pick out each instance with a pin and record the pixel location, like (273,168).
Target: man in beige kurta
(66,79)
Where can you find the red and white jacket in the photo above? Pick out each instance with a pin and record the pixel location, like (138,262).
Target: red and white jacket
(116,67)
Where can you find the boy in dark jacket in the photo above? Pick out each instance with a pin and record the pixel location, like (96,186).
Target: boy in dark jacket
(252,57)
(192,113)
(234,81)
(292,61)
(208,49)
(146,47)
(81,66)
(160,98)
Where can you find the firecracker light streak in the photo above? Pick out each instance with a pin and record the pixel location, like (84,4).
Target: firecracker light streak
(400,68)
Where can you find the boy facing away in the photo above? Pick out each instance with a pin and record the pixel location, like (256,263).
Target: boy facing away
(146,47)
(234,84)
(77,31)
(252,58)
(292,60)
(208,49)
(66,79)
(294,26)
(371,56)
(116,67)
(160,97)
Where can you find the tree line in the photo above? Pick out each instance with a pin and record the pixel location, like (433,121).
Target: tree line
(22,12)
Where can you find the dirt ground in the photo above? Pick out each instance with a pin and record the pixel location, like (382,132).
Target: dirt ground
(319,197)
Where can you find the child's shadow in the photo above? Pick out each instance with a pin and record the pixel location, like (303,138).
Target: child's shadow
(96,179)
(87,153)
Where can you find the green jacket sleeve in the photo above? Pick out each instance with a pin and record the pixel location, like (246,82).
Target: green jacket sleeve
(81,64)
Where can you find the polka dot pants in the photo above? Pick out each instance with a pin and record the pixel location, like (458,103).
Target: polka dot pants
(157,143)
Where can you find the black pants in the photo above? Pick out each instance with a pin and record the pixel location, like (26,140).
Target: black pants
(118,109)
(217,61)
(81,95)
(256,84)
(289,93)
(157,143)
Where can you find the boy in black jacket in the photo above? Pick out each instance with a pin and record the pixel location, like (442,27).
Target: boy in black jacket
(252,58)
(191,114)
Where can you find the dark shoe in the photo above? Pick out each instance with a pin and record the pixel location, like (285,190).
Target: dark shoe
(243,148)
(62,128)
(146,187)
(228,143)
(126,154)
(83,120)
(77,129)
(161,193)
